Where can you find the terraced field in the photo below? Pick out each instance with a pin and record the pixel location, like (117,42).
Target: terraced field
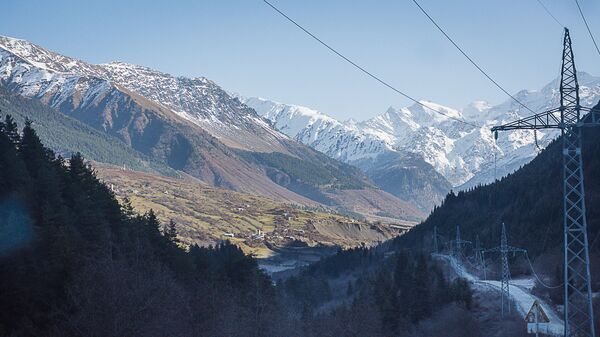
(206,214)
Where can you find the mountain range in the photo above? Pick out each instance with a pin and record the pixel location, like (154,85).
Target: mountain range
(194,126)
(393,167)
(426,152)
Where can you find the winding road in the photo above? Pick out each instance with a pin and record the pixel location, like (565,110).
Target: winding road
(520,293)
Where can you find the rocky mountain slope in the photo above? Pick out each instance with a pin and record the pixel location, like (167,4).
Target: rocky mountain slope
(192,125)
(67,135)
(403,174)
(462,154)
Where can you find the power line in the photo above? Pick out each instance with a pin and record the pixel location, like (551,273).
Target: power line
(469,58)
(364,70)
(538,278)
(550,13)
(587,26)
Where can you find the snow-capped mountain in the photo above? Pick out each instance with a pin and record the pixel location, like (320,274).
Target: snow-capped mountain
(463,154)
(407,176)
(192,125)
(199,100)
(336,139)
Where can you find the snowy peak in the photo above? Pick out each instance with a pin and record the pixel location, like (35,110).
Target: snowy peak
(476,111)
(40,72)
(338,140)
(44,59)
(299,116)
(462,153)
(425,115)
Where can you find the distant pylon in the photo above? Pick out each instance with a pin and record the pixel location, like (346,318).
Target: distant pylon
(458,244)
(479,261)
(505,285)
(504,249)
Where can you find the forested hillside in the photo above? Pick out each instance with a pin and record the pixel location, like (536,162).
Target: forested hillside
(529,202)
(376,294)
(74,262)
(66,135)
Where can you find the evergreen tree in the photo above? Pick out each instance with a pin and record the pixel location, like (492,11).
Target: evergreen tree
(11,130)
(171,232)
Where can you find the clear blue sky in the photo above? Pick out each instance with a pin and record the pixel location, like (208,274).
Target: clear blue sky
(247,48)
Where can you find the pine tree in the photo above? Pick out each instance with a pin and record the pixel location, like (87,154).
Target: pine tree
(171,232)
(127,209)
(31,149)
(153,227)
(11,129)
(12,170)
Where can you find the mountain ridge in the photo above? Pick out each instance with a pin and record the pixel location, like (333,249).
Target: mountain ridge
(463,154)
(210,137)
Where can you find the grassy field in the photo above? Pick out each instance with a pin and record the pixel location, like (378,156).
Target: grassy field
(206,214)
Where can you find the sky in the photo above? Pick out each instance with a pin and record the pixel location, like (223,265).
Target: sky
(247,48)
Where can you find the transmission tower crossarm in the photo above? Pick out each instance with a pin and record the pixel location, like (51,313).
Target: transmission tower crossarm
(544,120)
(492,250)
(549,119)
(515,250)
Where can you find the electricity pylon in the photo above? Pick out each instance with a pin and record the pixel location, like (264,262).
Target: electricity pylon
(479,255)
(578,311)
(458,243)
(504,249)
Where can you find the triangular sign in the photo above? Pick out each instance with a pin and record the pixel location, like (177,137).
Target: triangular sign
(541,315)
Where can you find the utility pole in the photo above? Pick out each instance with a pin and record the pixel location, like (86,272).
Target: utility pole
(578,310)
(504,249)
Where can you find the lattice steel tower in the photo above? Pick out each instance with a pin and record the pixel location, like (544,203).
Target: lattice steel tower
(458,243)
(504,249)
(578,311)
(478,257)
(479,261)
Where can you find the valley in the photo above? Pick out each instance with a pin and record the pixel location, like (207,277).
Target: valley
(152,184)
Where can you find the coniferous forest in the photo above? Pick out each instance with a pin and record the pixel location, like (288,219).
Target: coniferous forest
(79,263)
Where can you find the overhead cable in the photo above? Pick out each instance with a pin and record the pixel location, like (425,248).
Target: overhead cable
(470,59)
(368,73)
(587,26)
